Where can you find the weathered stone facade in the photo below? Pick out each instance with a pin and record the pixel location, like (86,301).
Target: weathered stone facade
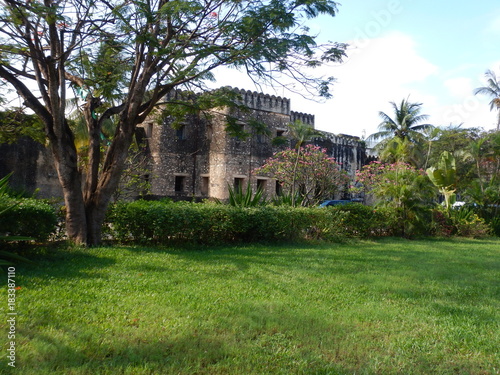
(32,168)
(200,160)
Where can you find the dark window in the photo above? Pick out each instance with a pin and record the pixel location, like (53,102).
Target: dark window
(279,188)
(204,185)
(280,133)
(179,183)
(261,184)
(181,132)
(238,183)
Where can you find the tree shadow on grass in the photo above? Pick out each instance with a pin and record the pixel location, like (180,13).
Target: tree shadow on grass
(463,271)
(428,258)
(272,349)
(261,338)
(64,263)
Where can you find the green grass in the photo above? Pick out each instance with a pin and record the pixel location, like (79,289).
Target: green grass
(386,307)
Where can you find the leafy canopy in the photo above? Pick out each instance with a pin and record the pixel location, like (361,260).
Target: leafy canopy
(122,57)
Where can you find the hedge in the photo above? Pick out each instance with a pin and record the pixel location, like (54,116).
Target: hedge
(27,217)
(167,223)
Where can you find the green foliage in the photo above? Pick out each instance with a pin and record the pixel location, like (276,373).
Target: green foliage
(444,177)
(286,199)
(485,198)
(462,222)
(15,124)
(238,198)
(494,224)
(105,68)
(166,223)
(6,205)
(493,91)
(469,224)
(170,223)
(363,221)
(27,217)
(403,190)
(401,134)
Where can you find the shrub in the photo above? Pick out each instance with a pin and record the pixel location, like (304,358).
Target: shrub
(442,225)
(167,223)
(469,224)
(363,221)
(463,222)
(404,191)
(495,226)
(27,217)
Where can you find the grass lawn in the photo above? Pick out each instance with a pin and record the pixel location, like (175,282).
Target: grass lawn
(387,307)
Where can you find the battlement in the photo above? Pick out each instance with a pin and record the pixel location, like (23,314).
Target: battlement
(263,102)
(341,139)
(306,118)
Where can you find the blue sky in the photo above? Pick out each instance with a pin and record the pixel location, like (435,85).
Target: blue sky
(434,52)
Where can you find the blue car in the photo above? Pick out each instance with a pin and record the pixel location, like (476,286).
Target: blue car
(334,203)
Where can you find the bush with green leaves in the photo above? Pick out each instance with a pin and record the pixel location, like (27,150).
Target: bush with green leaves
(7,257)
(247,198)
(468,224)
(27,217)
(462,222)
(183,222)
(363,221)
(403,191)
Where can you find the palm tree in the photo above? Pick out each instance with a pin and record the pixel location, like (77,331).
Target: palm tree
(493,91)
(301,133)
(404,130)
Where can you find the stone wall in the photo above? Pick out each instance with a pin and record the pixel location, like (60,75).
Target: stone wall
(32,168)
(199,159)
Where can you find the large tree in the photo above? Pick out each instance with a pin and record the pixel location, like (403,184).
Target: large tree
(121,57)
(400,135)
(493,91)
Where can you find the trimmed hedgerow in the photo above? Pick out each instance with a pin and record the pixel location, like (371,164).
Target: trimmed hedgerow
(167,223)
(27,217)
(364,221)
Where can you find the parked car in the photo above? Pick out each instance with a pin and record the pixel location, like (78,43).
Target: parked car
(335,202)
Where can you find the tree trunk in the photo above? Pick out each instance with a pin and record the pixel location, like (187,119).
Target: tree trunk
(97,202)
(65,158)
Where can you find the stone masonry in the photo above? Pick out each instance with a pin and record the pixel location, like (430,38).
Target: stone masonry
(200,159)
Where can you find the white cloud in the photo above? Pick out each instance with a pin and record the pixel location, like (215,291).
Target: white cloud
(459,87)
(463,106)
(380,72)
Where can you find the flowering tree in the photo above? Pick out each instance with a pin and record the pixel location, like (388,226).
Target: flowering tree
(309,171)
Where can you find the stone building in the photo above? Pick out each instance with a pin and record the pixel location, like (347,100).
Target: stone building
(200,159)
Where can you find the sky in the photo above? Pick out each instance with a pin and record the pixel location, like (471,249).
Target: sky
(433,52)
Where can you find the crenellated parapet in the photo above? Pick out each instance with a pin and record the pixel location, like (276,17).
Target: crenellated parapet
(306,118)
(342,139)
(349,151)
(263,102)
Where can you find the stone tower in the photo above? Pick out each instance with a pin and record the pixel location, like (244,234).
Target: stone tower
(201,159)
